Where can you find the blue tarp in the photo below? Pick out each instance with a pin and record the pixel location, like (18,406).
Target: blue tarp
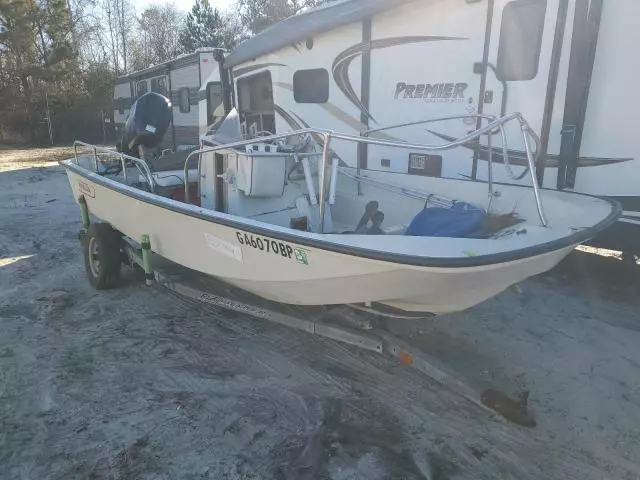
(459,221)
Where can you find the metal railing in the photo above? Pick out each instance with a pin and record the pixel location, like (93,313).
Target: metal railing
(489,118)
(139,163)
(495,124)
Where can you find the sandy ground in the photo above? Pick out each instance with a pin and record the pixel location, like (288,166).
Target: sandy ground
(12,158)
(137,383)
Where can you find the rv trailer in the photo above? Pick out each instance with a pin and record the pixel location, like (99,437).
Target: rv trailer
(358,66)
(191,82)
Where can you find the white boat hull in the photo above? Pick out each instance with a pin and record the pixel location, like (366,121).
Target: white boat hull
(297,273)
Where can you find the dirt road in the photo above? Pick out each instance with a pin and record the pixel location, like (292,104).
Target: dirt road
(136,383)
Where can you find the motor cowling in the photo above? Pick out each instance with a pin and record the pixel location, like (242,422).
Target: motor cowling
(148,121)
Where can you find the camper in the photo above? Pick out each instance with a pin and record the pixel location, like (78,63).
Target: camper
(192,83)
(359,66)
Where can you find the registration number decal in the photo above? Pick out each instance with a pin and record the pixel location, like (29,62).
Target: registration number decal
(273,247)
(86,189)
(225,248)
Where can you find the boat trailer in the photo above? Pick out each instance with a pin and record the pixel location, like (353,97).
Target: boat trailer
(363,330)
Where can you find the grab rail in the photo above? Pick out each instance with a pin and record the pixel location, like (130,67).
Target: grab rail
(490,118)
(328,135)
(138,162)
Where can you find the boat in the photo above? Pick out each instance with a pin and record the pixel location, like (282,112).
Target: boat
(286,218)
(353,65)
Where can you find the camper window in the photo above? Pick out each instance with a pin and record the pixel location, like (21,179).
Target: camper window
(159,85)
(521,40)
(311,86)
(255,102)
(184,100)
(141,88)
(214,101)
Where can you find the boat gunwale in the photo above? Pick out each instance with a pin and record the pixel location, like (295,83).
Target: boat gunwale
(215,217)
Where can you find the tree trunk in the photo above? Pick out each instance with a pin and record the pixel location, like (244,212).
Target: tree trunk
(26,88)
(123,34)
(114,49)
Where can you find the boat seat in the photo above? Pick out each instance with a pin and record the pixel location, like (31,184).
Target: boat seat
(169,161)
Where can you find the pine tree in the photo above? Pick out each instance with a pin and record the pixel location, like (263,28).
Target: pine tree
(204,28)
(37,58)
(257,15)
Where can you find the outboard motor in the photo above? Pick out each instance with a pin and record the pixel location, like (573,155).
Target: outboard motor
(146,124)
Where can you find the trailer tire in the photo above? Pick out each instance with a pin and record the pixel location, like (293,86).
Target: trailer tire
(102,256)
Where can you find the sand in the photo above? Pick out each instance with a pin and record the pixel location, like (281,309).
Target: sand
(137,383)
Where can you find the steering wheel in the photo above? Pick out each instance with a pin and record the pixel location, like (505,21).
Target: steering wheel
(265,133)
(301,143)
(305,140)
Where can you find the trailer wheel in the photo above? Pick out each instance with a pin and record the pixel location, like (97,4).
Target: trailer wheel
(102,256)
